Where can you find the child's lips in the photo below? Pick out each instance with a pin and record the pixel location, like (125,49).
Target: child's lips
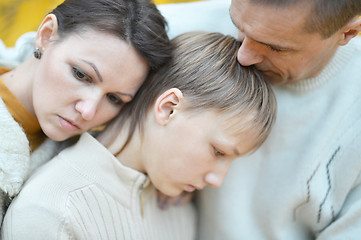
(189,188)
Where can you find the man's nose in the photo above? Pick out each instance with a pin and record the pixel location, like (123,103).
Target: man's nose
(249,53)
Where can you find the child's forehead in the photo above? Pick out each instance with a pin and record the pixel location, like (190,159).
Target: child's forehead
(243,123)
(227,129)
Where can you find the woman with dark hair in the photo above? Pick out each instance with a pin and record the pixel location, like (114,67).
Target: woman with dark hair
(90,58)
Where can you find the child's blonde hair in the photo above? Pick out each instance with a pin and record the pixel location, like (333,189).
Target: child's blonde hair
(205,68)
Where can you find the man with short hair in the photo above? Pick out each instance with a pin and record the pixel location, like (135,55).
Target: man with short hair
(305,181)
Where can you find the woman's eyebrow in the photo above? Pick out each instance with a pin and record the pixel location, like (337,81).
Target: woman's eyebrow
(95,69)
(101,79)
(126,94)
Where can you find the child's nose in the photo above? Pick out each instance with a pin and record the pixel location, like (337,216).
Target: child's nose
(216,177)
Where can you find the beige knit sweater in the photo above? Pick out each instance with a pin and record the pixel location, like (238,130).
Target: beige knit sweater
(85,193)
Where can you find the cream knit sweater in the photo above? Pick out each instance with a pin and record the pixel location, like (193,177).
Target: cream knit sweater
(304,182)
(85,193)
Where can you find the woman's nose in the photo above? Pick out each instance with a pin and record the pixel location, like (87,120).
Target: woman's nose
(88,107)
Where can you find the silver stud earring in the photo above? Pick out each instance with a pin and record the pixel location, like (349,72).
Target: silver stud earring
(37,53)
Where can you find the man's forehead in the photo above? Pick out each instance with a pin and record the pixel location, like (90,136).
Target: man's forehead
(259,15)
(276,27)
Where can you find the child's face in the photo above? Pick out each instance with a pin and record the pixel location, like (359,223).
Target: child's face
(194,150)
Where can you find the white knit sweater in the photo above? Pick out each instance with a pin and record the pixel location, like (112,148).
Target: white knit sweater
(304,182)
(86,193)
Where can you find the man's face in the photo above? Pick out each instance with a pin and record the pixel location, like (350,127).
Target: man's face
(274,41)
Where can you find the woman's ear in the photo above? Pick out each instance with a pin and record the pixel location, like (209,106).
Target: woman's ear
(167,104)
(350,30)
(47,32)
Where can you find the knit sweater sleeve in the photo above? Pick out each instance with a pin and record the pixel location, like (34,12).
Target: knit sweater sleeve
(29,220)
(38,212)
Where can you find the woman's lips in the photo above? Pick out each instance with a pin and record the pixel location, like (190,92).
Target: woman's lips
(68,124)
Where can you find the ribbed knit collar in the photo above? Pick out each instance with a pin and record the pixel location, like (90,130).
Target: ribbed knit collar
(336,63)
(92,160)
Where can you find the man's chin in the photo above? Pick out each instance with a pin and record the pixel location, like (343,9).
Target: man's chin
(275,79)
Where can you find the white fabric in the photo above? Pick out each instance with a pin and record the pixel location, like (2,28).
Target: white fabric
(13,56)
(211,15)
(14,156)
(304,182)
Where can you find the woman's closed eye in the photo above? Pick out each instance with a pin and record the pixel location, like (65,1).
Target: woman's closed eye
(80,75)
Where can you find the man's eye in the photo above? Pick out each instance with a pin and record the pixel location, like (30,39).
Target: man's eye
(80,75)
(275,49)
(114,99)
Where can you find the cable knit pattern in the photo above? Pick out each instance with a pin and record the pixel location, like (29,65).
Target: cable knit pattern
(304,182)
(85,193)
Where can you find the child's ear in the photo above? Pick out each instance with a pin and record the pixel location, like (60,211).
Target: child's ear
(47,32)
(167,105)
(351,30)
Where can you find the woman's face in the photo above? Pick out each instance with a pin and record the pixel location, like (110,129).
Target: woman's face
(194,150)
(83,81)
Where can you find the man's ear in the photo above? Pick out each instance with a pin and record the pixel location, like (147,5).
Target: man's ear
(351,30)
(47,32)
(167,105)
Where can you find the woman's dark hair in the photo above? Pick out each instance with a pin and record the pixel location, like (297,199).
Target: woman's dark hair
(138,22)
